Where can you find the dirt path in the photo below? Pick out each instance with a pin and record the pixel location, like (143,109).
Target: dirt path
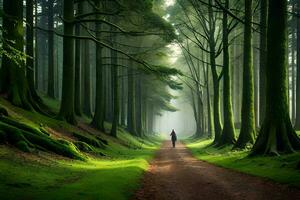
(175,175)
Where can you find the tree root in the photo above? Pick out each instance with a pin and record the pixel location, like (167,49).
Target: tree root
(3,111)
(91,140)
(27,138)
(276,138)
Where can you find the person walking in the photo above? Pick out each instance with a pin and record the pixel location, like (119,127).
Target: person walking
(173,137)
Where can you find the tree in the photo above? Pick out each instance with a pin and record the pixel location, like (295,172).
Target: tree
(262,59)
(247,132)
(13,81)
(297,122)
(78,66)
(228,132)
(30,67)
(98,119)
(276,134)
(51,69)
(115,89)
(131,126)
(67,100)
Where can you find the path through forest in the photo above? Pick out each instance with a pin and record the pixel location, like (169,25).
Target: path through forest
(175,174)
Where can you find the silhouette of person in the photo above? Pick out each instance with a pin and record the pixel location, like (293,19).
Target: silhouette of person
(173,137)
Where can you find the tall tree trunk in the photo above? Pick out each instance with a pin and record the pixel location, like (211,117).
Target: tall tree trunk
(131,126)
(67,96)
(277,134)
(78,67)
(297,122)
(87,101)
(87,107)
(195,112)
(36,60)
(262,59)
(30,66)
(247,132)
(216,83)
(228,133)
(293,99)
(138,101)
(109,95)
(209,117)
(200,131)
(51,81)
(115,89)
(123,99)
(43,36)
(13,82)
(98,119)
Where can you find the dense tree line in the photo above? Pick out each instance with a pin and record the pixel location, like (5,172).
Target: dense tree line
(106,60)
(242,58)
(102,59)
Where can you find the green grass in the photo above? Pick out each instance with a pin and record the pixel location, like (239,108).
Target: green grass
(44,175)
(114,176)
(281,169)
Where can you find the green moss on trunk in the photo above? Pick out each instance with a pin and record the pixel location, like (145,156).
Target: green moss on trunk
(228,132)
(277,134)
(247,132)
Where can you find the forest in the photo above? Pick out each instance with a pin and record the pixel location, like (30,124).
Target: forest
(92,92)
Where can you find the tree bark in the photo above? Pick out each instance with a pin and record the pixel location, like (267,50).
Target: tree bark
(262,59)
(216,83)
(115,89)
(247,132)
(87,108)
(51,81)
(67,96)
(276,134)
(98,119)
(13,82)
(138,102)
(30,67)
(297,122)
(209,120)
(131,126)
(78,70)
(228,133)
(123,99)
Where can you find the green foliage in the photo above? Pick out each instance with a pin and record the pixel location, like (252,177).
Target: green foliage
(151,20)
(167,71)
(155,21)
(175,85)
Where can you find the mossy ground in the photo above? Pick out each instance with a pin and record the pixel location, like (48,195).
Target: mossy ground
(112,172)
(282,169)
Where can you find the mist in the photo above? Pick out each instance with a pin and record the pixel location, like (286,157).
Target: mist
(182,121)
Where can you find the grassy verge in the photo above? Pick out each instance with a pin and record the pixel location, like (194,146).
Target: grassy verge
(112,172)
(281,169)
(24,176)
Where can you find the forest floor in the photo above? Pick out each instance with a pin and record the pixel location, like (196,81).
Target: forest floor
(176,174)
(112,173)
